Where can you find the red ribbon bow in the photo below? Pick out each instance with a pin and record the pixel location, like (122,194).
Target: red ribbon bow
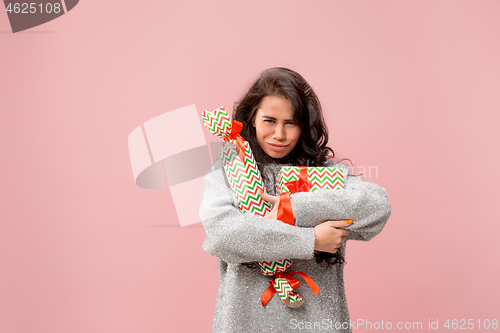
(293,282)
(285,213)
(236,127)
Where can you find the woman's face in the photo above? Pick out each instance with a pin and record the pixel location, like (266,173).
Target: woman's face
(276,130)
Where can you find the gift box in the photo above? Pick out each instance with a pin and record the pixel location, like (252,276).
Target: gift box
(318,177)
(239,164)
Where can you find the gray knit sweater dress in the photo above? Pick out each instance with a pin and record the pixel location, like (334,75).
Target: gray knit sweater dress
(236,237)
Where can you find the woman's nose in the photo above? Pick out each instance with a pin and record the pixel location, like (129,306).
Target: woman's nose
(279,132)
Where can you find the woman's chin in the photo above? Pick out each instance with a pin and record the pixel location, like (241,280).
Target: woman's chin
(276,155)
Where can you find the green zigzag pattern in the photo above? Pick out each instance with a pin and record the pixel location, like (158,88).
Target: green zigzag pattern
(323,180)
(282,288)
(275,266)
(218,122)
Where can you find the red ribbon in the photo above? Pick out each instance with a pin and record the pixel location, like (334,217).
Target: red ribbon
(236,127)
(285,212)
(293,282)
(300,185)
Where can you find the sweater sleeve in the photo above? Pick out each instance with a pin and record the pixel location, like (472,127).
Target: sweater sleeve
(363,202)
(238,237)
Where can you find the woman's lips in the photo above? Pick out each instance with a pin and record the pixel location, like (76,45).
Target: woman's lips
(275,147)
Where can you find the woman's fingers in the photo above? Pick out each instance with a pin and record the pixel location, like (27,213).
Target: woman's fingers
(270,198)
(344,232)
(330,235)
(339,223)
(273,214)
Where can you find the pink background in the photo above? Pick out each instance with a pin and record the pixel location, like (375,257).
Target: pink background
(410,87)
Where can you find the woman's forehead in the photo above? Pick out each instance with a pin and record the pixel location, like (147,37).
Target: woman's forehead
(275,107)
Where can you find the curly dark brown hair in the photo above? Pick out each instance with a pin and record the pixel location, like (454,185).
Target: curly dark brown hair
(311,149)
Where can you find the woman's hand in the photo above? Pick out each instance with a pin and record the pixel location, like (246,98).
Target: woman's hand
(329,235)
(275,200)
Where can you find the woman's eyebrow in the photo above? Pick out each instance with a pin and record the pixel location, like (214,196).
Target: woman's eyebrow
(272,118)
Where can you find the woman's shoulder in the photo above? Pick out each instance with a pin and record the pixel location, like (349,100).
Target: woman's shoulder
(216,174)
(217,165)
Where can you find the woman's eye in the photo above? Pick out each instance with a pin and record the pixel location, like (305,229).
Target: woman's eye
(272,121)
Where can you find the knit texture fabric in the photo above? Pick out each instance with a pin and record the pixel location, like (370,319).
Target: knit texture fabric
(236,237)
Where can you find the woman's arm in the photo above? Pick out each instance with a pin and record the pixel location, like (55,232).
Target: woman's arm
(364,202)
(238,237)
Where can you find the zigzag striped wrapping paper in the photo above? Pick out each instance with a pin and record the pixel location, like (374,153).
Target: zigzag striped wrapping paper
(246,181)
(271,267)
(320,177)
(285,292)
(244,176)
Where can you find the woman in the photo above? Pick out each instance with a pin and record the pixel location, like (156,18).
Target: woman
(283,123)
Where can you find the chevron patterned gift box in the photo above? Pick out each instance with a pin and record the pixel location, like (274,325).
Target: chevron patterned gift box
(320,177)
(240,167)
